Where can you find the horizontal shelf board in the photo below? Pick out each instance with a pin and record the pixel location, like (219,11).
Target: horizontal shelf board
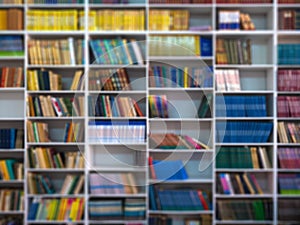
(12,89)
(243,92)
(12,32)
(12,57)
(288,144)
(56,143)
(179,89)
(244,196)
(244,221)
(118,144)
(12,5)
(288,118)
(237,5)
(194,151)
(5,151)
(180,119)
(118,32)
(282,5)
(58,66)
(244,118)
(180,212)
(11,212)
(184,32)
(288,66)
(56,118)
(58,5)
(262,33)
(12,119)
(288,92)
(99,66)
(289,196)
(55,196)
(67,92)
(294,170)
(288,33)
(181,6)
(56,32)
(181,58)
(245,143)
(140,169)
(113,221)
(112,195)
(187,181)
(100,5)
(118,92)
(244,66)
(221,170)
(54,170)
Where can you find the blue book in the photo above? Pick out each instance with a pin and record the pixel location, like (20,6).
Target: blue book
(206,46)
(33,210)
(169,170)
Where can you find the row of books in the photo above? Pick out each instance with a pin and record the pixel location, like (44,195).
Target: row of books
(74,132)
(158,106)
(288,106)
(46,157)
(169,19)
(287,1)
(11,200)
(103,131)
(236,183)
(67,19)
(288,132)
(243,132)
(47,80)
(163,170)
(116,19)
(128,208)
(288,210)
(289,158)
(43,184)
(54,1)
(243,157)
(11,45)
(186,77)
(63,209)
(288,80)
(256,209)
(171,199)
(11,1)
(180,45)
(158,219)
(113,106)
(109,80)
(241,106)
(289,183)
(227,80)
(11,19)
(11,138)
(117,51)
(234,20)
(56,52)
(233,51)
(174,141)
(288,54)
(49,106)
(180,1)
(244,1)
(11,169)
(289,19)
(112,184)
(11,77)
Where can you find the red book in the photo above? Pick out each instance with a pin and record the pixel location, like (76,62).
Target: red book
(151,167)
(203,200)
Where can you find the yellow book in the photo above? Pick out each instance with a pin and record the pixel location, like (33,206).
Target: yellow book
(62,207)
(3,19)
(197,45)
(4,170)
(74,209)
(186,77)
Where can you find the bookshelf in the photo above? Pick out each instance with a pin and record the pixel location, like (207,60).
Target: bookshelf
(155,88)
